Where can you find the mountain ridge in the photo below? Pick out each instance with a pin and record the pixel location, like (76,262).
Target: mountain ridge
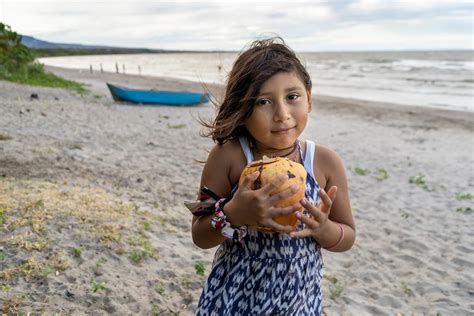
(32,42)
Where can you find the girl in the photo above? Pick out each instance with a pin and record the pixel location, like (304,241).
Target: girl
(278,269)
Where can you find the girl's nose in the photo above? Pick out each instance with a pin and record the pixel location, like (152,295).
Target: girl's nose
(282,112)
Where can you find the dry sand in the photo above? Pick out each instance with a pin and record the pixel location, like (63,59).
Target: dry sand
(93,219)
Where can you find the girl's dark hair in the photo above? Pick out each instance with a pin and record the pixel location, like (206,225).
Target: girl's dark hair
(254,66)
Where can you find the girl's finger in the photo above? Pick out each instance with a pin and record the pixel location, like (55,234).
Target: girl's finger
(309,222)
(327,199)
(249,179)
(283,194)
(332,192)
(314,210)
(275,184)
(301,233)
(276,211)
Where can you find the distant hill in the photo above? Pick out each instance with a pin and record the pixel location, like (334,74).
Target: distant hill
(48,49)
(45,49)
(31,42)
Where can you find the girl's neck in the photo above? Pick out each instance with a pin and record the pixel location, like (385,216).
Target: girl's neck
(289,152)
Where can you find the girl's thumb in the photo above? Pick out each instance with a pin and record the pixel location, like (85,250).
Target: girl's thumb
(249,179)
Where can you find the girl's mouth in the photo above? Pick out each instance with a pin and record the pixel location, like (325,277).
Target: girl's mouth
(282,130)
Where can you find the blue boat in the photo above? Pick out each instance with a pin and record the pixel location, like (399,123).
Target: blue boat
(158,97)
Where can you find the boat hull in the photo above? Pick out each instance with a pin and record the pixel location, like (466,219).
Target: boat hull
(157,97)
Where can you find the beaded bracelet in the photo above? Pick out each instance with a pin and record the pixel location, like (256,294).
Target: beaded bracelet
(219,222)
(341,238)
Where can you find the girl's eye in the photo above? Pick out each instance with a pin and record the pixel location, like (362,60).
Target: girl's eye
(263,102)
(293,97)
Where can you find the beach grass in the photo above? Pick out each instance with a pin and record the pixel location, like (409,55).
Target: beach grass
(464,196)
(419,180)
(465,210)
(11,306)
(32,216)
(382,174)
(36,75)
(200,268)
(4,136)
(176,126)
(97,286)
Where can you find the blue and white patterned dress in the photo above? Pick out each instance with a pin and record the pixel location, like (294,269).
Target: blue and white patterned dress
(270,273)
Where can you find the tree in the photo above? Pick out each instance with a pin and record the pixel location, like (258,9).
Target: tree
(14,56)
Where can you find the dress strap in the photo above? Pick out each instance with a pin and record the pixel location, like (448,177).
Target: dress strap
(300,150)
(244,143)
(309,157)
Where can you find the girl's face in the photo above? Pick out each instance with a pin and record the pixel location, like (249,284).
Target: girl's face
(280,112)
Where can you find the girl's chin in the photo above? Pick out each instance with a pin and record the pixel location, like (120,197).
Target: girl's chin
(285,141)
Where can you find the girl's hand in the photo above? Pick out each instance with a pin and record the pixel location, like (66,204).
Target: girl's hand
(319,214)
(256,207)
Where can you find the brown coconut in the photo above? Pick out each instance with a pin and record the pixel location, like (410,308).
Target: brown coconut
(269,169)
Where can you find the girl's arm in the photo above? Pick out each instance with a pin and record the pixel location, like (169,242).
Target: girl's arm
(332,224)
(247,207)
(215,176)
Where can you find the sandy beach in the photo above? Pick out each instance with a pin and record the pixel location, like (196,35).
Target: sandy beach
(92,219)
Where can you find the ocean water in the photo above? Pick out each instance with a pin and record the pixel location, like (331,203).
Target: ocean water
(441,79)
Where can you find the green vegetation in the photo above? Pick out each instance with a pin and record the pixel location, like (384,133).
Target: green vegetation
(185,281)
(408,291)
(17,64)
(30,269)
(53,52)
(78,51)
(464,196)
(100,262)
(464,210)
(200,268)
(77,252)
(4,136)
(146,226)
(382,174)
(5,288)
(176,125)
(336,291)
(97,286)
(419,180)
(142,248)
(335,287)
(160,289)
(404,215)
(359,171)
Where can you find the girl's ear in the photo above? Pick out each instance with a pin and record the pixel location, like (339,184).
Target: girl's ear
(310,100)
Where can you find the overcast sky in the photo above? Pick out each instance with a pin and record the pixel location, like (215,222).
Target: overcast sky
(307,25)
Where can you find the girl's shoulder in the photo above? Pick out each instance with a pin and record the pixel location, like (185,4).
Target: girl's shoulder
(229,151)
(228,158)
(327,160)
(326,155)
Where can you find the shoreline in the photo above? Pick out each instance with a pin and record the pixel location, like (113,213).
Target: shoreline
(326,102)
(94,191)
(377,76)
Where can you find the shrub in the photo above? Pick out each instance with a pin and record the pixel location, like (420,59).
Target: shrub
(17,64)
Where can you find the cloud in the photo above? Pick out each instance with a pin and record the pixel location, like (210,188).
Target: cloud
(191,24)
(369,6)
